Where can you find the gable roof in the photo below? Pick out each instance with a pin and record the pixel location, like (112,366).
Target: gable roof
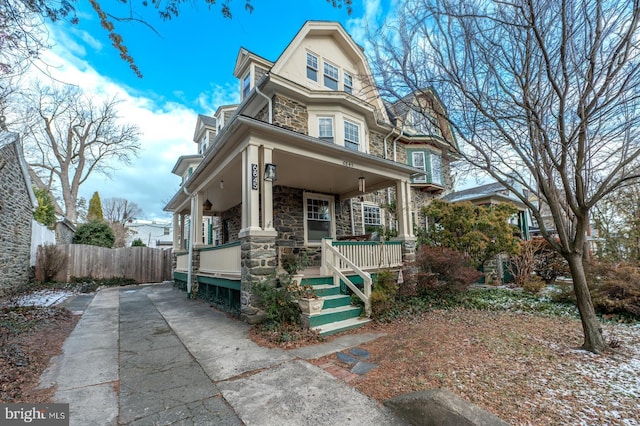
(9,138)
(342,39)
(494,190)
(243,59)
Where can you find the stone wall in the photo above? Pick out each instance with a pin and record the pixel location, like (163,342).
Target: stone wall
(231,218)
(288,212)
(15,220)
(290,114)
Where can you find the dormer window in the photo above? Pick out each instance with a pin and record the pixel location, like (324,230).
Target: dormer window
(331,76)
(246,85)
(348,82)
(312,67)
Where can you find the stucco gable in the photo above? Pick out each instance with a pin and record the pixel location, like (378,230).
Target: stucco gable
(330,41)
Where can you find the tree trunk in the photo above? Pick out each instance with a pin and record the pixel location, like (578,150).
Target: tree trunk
(593,338)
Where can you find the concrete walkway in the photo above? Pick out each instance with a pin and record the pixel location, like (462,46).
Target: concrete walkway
(146,355)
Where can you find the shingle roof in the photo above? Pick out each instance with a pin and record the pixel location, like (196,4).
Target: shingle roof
(478,192)
(207,120)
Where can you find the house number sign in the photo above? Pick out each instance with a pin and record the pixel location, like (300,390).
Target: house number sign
(254,177)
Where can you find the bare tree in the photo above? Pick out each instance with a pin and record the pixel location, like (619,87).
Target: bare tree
(544,92)
(120,210)
(70,137)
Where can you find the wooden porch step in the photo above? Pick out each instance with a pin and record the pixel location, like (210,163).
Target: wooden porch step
(324,290)
(339,326)
(330,315)
(335,301)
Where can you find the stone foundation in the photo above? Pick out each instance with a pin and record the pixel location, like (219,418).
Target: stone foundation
(258,264)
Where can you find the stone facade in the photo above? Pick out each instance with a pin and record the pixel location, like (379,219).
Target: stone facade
(290,114)
(16,214)
(231,224)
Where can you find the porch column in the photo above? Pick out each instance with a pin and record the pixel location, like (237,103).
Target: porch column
(405,225)
(250,190)
(403,208)
(267,192)
(182,222)
(176,231)
(196,217)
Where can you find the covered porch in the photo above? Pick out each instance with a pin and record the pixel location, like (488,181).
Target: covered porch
(268,190)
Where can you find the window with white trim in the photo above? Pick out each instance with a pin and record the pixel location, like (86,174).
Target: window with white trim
(351,135)
(348,82)
(331,76)
(428,161)
(246,85)
(371,215)
(325,128)
(424,123)
(436,168)
(312,67)
(318,214)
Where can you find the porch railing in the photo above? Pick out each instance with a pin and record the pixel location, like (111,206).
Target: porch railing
(371,254)
(333,261)
(220,260)
(182,261)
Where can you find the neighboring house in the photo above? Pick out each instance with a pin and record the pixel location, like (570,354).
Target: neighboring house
(17,204)
(153,233)
(311,156)
(495,193)
(64,229)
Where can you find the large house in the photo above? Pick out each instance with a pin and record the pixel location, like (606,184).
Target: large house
(312,160)
(17,203)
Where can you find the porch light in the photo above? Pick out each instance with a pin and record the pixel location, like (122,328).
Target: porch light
(221,184)
(361,184)
(270,172)
(207,205)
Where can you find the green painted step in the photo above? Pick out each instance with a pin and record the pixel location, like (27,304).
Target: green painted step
(327,290)
(330,315)
(340,326)
(335,301)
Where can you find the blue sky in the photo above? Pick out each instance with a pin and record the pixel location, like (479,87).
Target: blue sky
(188,70)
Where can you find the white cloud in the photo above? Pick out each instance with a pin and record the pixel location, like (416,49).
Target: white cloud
(166,133)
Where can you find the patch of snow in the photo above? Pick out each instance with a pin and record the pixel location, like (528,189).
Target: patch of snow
(44,298)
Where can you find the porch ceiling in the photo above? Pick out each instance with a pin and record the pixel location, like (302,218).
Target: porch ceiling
(302,162)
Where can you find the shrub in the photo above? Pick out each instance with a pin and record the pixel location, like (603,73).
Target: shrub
(51,260)
(95,234)
(523,264)
(533,285)
(549,264)
(278,304)
(385,289)
(440,268)
(138,243)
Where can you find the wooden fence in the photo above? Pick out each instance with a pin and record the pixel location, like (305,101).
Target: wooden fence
(142,264)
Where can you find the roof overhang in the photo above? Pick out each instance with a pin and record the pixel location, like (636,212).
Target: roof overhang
(302,162)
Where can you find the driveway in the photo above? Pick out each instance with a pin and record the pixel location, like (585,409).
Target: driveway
(146,355)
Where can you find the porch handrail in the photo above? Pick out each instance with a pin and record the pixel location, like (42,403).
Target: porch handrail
(329,256)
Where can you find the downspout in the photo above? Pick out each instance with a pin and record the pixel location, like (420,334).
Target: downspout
(270,104)
(191,240)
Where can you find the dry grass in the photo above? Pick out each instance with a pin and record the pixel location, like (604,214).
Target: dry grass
(522,367)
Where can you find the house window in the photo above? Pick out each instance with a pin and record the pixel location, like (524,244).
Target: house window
(246,86)
(424,123)
(436,168)
(312,67)
(418,161)
(348,82)
(431,163)
(325,128)
(351,136)
(371,215)
(318,218)
(331,76)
